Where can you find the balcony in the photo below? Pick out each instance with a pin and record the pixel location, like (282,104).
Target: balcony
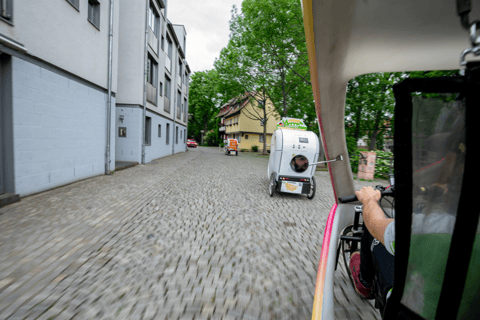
(151,93)
(153,41)
(166,105)
(221,129)
(179,114)
(168,64)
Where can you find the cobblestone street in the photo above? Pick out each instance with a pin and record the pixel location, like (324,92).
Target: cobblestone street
(191,236)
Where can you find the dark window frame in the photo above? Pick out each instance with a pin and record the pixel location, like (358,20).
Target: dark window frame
(148,131)
(75,4)
(152,70)
(6,14)
(94,13)
(154,19)
(168,134)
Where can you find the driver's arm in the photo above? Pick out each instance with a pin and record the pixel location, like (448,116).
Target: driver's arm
(373,215)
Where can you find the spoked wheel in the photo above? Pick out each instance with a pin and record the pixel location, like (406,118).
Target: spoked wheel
(271,185)
(312,189)
(348,247)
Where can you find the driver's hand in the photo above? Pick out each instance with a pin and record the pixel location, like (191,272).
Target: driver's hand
(367,194)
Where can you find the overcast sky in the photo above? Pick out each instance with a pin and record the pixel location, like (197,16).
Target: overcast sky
(206,23)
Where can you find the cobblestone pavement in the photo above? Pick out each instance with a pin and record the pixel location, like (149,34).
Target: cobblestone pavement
(192,236)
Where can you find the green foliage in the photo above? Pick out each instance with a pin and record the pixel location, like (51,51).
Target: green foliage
(351,144)
(267,51)
(255,148)
(370,102)
(212,138)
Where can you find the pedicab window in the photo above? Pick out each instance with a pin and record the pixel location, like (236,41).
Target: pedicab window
(299,163)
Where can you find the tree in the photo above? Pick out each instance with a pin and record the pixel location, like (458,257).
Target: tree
(370,103)
(267,55)
(204,102)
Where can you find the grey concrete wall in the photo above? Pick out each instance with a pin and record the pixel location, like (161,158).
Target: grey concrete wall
(59,129)
(129,148)
(182,142)
(158,147)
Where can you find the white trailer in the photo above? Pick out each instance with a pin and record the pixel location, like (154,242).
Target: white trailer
(290,169)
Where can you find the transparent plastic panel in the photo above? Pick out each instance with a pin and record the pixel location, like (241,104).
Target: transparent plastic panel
(470,303)
(438,148)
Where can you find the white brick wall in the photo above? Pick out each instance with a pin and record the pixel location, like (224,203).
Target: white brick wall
(59,129)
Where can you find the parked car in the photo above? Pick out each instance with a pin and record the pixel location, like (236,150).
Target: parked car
(192,143)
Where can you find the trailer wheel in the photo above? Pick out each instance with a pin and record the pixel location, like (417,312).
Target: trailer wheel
(272,185)
(312,189)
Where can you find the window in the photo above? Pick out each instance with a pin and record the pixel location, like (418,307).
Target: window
(260,138)
(180,134)
(239,138)
(162,43)
(168,85)
(176,135)
(168,56)
(168,133)
(184,135)
(179,102)
(6,10)
(74,3)
(153,19)
(148,130)
(94,13)
(159,130)
(161,88)
(185,110)
(152,67)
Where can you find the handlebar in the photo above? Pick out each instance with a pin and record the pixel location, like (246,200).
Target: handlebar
(353,198)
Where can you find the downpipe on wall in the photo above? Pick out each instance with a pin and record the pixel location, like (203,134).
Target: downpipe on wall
(109,98)
(145,81)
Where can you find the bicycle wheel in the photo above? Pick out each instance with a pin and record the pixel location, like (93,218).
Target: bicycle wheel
(348,247)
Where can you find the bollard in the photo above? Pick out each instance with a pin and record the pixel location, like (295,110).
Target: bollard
(366,165)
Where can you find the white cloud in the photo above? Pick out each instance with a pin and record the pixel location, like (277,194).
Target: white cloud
(206,23)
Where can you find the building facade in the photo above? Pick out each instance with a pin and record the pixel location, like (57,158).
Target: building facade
(240,119)
(152,103)
(68,95)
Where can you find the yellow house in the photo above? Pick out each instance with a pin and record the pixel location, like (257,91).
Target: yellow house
(241,121)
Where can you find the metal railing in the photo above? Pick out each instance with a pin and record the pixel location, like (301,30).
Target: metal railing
(151,93)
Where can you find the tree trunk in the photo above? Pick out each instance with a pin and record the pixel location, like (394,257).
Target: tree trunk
(284,95)
(264,152)
(358,118)
(373,137)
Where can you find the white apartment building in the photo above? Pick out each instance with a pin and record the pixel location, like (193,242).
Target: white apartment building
(152,101)
(85,88)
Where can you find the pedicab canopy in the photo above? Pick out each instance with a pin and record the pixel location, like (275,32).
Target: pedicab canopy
(437,254)
(291,124)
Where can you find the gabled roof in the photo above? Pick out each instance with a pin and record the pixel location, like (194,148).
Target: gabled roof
(235,104)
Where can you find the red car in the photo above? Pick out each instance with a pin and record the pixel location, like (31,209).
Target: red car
(192,143)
